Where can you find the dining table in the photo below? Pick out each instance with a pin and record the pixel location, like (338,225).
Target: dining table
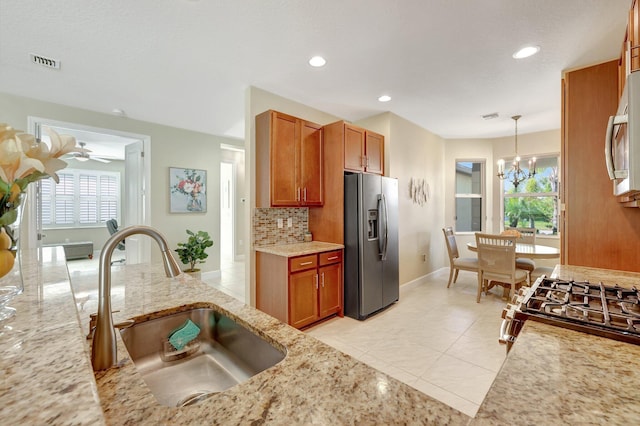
(532,251)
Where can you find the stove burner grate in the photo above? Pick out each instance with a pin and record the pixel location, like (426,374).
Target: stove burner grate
(610,311)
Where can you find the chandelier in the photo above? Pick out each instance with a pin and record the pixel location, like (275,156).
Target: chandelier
(515,174)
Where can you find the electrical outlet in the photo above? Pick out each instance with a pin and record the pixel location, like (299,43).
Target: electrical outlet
(280,225)
(289,222)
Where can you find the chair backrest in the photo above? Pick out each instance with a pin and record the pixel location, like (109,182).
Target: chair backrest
(527,235)
(112,226)
(497,254)
(452,246)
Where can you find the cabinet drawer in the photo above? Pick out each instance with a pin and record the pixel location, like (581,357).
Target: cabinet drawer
(330,257)
(303,262)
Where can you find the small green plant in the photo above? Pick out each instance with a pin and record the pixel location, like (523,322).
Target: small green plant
(193,251)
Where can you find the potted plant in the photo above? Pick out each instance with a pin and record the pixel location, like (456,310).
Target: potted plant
(193,251)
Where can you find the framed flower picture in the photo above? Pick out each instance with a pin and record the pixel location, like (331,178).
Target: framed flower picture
(187,190)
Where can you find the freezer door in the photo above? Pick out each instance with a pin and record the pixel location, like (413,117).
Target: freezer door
(390,268)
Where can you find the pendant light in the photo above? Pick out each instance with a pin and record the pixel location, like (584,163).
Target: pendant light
(515,174)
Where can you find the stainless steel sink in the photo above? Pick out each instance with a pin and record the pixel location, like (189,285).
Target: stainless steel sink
(224,354)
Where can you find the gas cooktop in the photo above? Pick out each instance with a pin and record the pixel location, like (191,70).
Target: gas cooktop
(608,311)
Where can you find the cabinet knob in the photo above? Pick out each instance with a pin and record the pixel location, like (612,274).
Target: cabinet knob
(305,194)
(298,194)
(316,281)
(323,280)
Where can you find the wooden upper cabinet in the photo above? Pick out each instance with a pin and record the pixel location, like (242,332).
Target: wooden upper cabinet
(374,151)
(311,160)
(363,150)
(289,155)
(354,143)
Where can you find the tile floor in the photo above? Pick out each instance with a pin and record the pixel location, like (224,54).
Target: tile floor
(437,340)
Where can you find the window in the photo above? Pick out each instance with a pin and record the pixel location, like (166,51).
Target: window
(83,198)
(469,196)
(535,203)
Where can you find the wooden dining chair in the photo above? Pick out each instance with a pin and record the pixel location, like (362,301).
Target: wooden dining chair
(497,263)
(526,236)
(456,263)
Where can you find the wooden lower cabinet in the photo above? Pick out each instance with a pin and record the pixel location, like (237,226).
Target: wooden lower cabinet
(300,290)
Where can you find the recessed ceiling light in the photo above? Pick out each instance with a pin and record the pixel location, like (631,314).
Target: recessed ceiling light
(317,61)
(384,98)
(527,51)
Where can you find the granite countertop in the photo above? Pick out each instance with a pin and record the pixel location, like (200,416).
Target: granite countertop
(553,375)
(298,249)
(48,376)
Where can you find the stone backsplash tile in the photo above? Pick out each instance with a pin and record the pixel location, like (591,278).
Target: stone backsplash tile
(265,225)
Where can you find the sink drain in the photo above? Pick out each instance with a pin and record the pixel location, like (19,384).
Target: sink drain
(195,398)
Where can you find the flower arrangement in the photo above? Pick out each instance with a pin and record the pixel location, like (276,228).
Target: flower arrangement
(193,251)
(23,160)
(191,184)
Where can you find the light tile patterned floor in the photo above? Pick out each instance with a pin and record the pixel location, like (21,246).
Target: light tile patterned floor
(438,340)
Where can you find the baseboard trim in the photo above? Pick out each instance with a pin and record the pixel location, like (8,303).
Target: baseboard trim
(211,274)
(420,280)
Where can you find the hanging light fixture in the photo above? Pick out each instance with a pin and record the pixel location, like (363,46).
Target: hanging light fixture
(515,174)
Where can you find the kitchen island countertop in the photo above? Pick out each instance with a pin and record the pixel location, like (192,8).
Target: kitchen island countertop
(48,376)
(552,375)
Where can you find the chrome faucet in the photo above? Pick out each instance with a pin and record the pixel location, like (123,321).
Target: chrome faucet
(103,350)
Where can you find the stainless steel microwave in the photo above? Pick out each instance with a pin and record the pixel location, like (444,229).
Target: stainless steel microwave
(622,142)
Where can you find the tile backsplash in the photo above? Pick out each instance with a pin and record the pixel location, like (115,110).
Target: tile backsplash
(265,225)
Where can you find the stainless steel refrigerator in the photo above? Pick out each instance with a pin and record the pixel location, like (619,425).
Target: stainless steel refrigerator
(371,281)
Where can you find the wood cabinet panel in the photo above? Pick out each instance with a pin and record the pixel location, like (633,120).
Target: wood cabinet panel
(374,152)
(354,148)
(284,182)
(330,257)
(303,298)
(303,262)
(289,161)
(311,164)
(330,294)
(297,290)
(597,230)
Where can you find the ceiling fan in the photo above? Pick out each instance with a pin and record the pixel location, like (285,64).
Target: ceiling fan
(83,154)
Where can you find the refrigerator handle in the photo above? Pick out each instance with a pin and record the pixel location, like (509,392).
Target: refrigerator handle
(385,233)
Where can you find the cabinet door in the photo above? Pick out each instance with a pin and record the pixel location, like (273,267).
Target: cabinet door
(303,298)
(374,153)
(284,166)
(353,148)
(330,289)
(311,164)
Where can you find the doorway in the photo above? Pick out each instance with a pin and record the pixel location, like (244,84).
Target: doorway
(227,225)
(108,151)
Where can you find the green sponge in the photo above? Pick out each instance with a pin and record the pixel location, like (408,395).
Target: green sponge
(182,336)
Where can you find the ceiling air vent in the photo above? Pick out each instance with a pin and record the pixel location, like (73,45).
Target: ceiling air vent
(44,61)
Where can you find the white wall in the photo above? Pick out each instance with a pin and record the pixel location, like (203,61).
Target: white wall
(170,146)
